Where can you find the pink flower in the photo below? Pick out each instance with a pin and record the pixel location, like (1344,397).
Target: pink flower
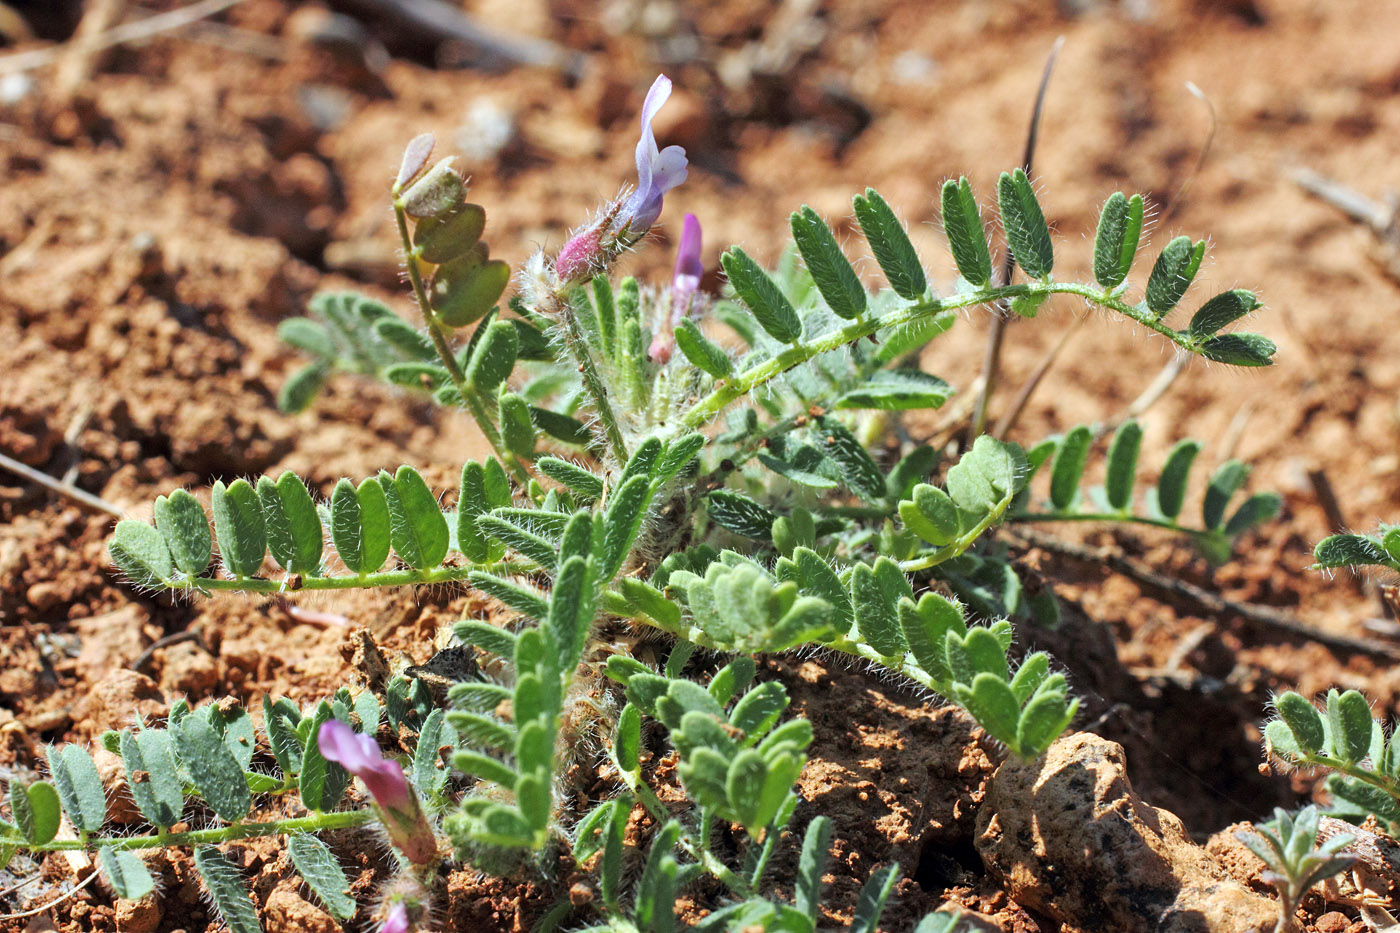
(398,804)
(397,921)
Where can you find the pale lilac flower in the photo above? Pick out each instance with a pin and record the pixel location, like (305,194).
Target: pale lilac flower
(624,223)
(657,171)
(397,921)
(398,804)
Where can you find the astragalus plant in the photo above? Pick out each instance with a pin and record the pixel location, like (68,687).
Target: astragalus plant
(708,472)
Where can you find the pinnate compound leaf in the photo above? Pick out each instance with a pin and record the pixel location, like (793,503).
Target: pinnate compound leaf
(139,551)
(891,246)
(1122,464)
(1024,224)
(962,222)
(1240,349)
(239,526)
(832,272)
(1068,467)
(224,883)
(322,873)
(185,527)
(125,871)
(757,290)
(1222,310)
(1116,241)
(701,352)
(79,786)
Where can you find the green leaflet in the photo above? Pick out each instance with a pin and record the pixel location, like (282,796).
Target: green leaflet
(1115,243)
(517,425)
(873,895)
(1068,467)
(874,595)
(444,236)
(1222,310)
(860,473)
(323,874)
(1171,487)
(739,514)
(832,272)
(224,883)
(1239,349)
(405,338)
(182,522)
(585,485)
(811,865)
(1224,483)
(36,811)
(152,776)
(1303,720)
(126,873)
(702,354)
(626,509)
(215,772)
(1348,550)
(293,527)
(962,223)
(309,336)
(464,290)
(321,782)
(891,246)
(301,388)
(769,306)
(494,358)
(1122,464)
(239,526)
(1024,224)
(417,527)
(139,551)
(79,787)
(1172,274)
(897,390)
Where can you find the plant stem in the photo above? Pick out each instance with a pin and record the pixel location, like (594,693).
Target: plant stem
(592,383)
(1123,517)
(316,822)
(1351,769)
(444,350)
(965,541)
(743,383)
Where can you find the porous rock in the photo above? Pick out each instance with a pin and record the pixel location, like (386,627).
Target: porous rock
(1069,837)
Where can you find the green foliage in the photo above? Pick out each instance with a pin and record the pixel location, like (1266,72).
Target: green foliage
(1161,505)
(1344,739)
(1379,549)
(1295,859)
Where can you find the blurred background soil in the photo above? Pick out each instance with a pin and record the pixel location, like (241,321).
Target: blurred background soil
(165,203)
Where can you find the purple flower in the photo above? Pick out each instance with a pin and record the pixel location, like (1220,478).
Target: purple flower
(685,282)
(397,921)
(657,171)
(623,224)
(398,804)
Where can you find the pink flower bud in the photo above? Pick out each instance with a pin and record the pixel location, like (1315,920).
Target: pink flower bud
(398,804)
(397,921)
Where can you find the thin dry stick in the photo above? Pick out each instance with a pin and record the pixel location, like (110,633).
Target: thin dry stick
(53,903)
(1210,604)
(127,32)
(991,361)
(1172,369)
(60,487)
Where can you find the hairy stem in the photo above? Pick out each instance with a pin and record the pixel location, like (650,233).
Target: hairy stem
(1351,769)
(592,383)
(316,822)
(404,577)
